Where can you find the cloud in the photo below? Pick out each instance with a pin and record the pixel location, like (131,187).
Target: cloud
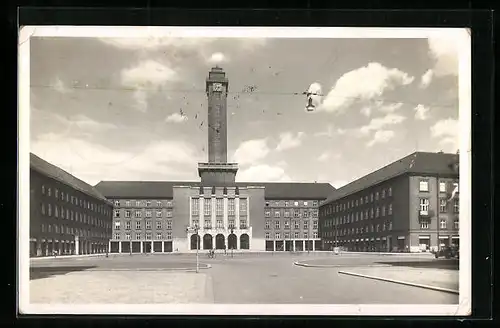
(263,172)
(421,112)
(288,140)
(444,51)
(217,57)
(381,136)
(339,183)
(389,108)
(93,162)
(380,122)
(329,132)
(176,118)
(326,155)
(57,122)
(251,151)
(426,78)
(148,74)
(155,43)
(61,87)
(447,131)
(363,84)
(366,111)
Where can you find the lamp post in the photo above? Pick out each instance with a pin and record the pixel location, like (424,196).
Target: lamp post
(232,246)
(196,230)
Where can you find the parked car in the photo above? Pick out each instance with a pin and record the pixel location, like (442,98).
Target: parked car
(447,252)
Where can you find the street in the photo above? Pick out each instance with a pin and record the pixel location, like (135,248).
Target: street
(277,279)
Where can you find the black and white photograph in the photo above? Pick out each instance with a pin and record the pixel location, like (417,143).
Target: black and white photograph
(282,171)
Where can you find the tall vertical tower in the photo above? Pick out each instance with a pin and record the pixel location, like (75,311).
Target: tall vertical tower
(217,171)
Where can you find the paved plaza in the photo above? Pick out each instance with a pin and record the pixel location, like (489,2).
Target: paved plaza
(264,278)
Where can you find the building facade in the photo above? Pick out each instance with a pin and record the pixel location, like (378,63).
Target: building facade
(410,205)
(215,212)
(67,215)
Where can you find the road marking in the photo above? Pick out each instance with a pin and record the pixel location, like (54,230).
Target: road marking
(441,289)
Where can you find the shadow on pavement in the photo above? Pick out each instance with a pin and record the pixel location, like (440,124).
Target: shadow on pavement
(435,264)
(46,272)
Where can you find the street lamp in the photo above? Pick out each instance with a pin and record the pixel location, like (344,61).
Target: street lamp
(232,246)
(196,229)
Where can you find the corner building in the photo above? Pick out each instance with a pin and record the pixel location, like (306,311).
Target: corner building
(67,215)
(411,205)
(216,212)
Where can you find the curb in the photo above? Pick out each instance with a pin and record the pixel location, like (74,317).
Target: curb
(207,266)
(65,257)
(305,265)
(440,289)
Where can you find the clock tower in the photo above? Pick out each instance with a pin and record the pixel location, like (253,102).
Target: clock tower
(217,171)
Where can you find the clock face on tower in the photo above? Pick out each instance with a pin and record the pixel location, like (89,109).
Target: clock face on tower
(217,87)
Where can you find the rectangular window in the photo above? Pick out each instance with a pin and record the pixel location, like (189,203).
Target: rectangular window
(268,224)
(268,235)
(138,214)
(220,223)
(148,235)
(315,213)
(243,205)
(442,187)
(158,214)
(305,214)
(169,235)
(376,195)
(296,213)
(127,203)
(56,211)
(389,211)
(49,207)
(306,235)
(230,223)
(296,235)
(424,224)
(277,224)
(230,207)
(315,224)
(287,214)
(277,235)
(117,225)
(158,224)
(169,213)
(277,214)
(371,213)
(287,235)
(117,213)
(442,205)
(267,214)
(159,236)
(148,203)
(377,212)
(208,224)
(149,214)
(442,224)
(148,224)
(207,207)
(117,236)
(315,235)
(195,207)
(138,224)
(383,210)
(138,235)
(456,223)
(127,213)
(424,185)
(137,203)
(287,224)
(170,203)
(287,203)
(306,224)
(220,207)
(424,206)
(305,203)
(195,223)
(371,197)
(456,205)
(127,236)
(315,203)
(158,203)
(169,224)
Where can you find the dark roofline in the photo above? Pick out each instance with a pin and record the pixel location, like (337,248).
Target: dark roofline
(341,192)
(97,194)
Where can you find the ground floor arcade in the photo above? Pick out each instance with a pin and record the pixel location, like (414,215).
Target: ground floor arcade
(294,245)
(141,246)
(49,247)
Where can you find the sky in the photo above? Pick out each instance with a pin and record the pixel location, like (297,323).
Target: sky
(136,109)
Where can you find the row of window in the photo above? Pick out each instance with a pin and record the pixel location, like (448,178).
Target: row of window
(443,224)
(143,203)
(138,213)
(219,206)
(346,205)
(424,205)
(443,186)
(296,224)
(61,212)
(65,229)
(286,235)
(138,225)
(148,235)
(359,230)
(286,203)
(231,223)
(359,216)
(294,213)
(101,209)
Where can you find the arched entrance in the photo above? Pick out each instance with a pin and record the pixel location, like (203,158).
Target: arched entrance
(244,241)
(219,241)
(232,241)
(207,241)
(195,241)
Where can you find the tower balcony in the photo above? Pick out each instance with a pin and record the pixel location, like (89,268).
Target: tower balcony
(217,173)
